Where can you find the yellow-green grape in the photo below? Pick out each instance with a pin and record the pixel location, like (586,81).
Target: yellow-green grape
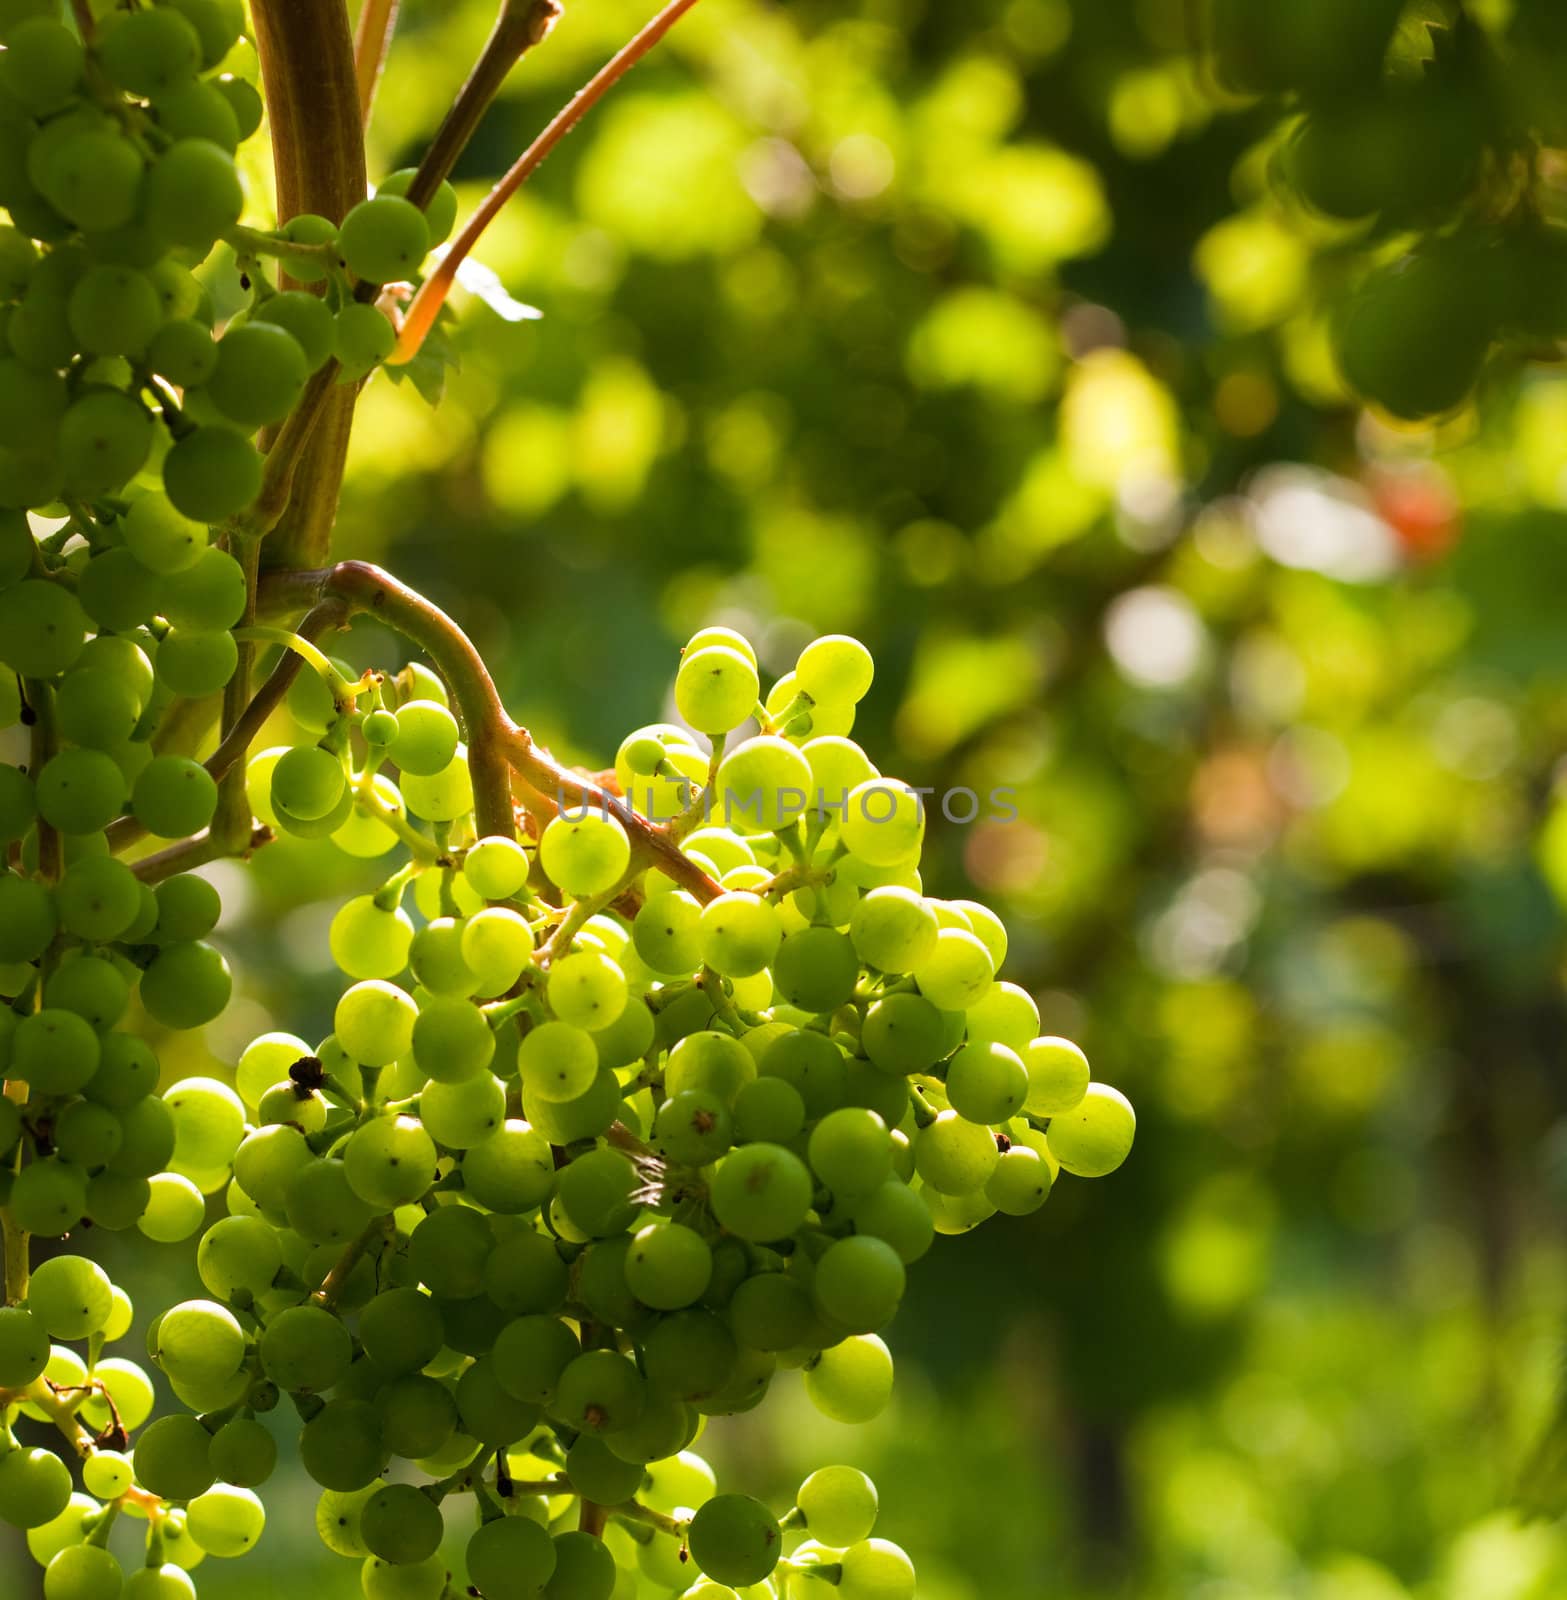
(851,1381)
(442,796)
(1096,1135)
(1057,1076)
(883,822)
(585,855)
(497,868)
(835,667)
(763,786)
(716,689)
(956,973)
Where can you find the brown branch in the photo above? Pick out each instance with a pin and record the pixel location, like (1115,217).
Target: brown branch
(372,40)
(495,742)
(195,851)
(427,303)
(312,95)
(520,27)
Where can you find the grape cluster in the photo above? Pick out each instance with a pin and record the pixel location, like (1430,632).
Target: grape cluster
(592,1153)
(1400,140)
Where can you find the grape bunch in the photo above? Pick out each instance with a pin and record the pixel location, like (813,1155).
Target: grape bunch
(592,1152)
(1415,144)
(623,1112)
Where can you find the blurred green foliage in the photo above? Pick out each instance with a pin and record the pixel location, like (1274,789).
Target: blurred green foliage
(990,333)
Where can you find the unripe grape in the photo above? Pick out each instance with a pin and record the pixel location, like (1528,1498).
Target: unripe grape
(852,1381)
(226,1521)
(735,1539)
(384,240)
(1057,1076)
(71,1296)
(1095,1136)
(584,855)
(390,1162)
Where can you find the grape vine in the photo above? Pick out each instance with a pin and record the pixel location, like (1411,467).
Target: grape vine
(640,1088)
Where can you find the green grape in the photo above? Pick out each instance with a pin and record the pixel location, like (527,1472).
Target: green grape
(557,1061)
(954,1156)
(400,1330)
(18,804)
(199,1342)
(116,591)
(209,593)
(42,65)
(852,1381)
(716,689)
(171,1457)
(104,440)
(586,990)
(524,1273)
(321,1204)
(816,969)
(693,1127)
(226,1521)
(600,1391)
(418,1416)
(31,405)
(1021,1183)
(531,1353)
(763,785)
(667,932)
(306,317)
(245,102)
(1057,1076)
(443,797)
(114,311)
(496,867)
(486,1412)
(242,1452)
(584,1569)
(511,1558)
(107,1474)
(174,1210)
(196,662)
(958,973)
(70,1296)
(95,709)
(390,1162)
(261,373)
(400,1524)
(98,898)
(452,1040)
(735,1539)
(167,1582)
(146,1138)
(28,918)
(266,1060)
(903,1033)
(768,1111)
(740,934)
(184,352)
(1006,1015)
(54,1051)
(148,53)
(427,738)
(461,1115)
(770,1311)
(384,240)
(893,929)
(186,985)
(599,1475)
(192,195)
(308,229)
(92,988)
(876,1569)
(198,111)
(92,177)
(127,1072)
(448,1250)
(812,1065)
(986,1083)
(440,211)
(24,1347)
(710,1061)
(213,472)
(426,1580)
(851,1152)
(896,1214)
(511,1173)
(80,791)
(368,940)
(173,797)
(341,1446)
(362,833)
(668,1266)
(859,1282)
(83,1572)
(364,339)
(374,1022)
(585,855)
(883,822)
(1095,1136)
(835,668)
(42,628)
(238,1254)
(761,1192)
(597,1192)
